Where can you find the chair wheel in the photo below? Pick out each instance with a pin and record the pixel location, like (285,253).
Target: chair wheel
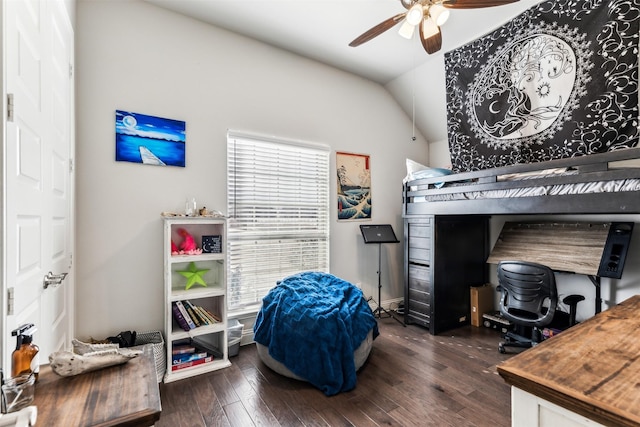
(501,349)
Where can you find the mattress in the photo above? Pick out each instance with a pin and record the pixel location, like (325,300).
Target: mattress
(614,186)
(527,189)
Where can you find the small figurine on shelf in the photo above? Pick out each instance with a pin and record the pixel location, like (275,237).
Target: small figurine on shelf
(188,245)
(194,275)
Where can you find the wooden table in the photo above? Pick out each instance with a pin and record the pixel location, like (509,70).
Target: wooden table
(592,369)
(122,395)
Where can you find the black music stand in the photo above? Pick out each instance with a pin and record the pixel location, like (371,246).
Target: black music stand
(380,234)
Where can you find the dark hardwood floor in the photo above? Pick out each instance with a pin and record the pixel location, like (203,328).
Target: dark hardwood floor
(410,379)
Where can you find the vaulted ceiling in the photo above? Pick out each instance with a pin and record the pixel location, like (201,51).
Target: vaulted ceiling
(322,29)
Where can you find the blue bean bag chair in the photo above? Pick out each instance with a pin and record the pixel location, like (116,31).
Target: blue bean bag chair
(316,327)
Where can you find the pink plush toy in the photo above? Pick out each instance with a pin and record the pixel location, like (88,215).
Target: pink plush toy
(188,245)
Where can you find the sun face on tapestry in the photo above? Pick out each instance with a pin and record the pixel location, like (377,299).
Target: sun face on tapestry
(149,140)
(354,186)
(560,80)
(524,90)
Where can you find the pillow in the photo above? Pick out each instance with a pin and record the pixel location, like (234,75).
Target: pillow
(415,171)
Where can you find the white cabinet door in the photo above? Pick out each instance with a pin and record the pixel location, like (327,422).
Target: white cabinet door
(528,410)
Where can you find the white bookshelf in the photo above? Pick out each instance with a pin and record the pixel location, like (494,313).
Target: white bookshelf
(213,297)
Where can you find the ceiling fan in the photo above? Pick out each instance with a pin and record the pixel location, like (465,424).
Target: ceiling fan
(428,15)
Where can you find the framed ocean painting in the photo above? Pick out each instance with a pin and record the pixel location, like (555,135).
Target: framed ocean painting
(354,186)
(149,140)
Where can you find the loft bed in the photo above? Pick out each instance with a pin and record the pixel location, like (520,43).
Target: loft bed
(592,184)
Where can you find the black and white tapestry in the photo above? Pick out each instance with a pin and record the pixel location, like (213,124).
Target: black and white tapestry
(560,80)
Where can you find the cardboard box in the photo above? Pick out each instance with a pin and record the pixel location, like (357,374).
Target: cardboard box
(482,298)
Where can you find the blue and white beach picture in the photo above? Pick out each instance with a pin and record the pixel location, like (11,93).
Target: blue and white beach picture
(149,140)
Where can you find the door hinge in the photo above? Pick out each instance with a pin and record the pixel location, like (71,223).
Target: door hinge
(70,165)
(70,70)
(9,107)
(10,301)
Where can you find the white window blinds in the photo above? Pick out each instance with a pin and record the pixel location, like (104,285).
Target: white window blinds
(278,207)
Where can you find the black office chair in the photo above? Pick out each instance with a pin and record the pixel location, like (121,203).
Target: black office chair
(529,299)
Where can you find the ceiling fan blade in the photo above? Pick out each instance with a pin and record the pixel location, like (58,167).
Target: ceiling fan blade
(378,29)
(433,43)
(474,4)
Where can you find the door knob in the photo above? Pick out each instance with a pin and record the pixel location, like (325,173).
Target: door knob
(53,279)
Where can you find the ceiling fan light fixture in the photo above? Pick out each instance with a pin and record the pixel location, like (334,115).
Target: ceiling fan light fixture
(415,14)
(429,28)
(407,30)
(439,14)
(430,15)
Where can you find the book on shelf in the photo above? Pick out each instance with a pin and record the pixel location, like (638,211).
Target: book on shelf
(192,363)
(213,317)
(194,312)
(206,315)
(179,316)
(177,359)
(182,349)
(202,345)
(200,312)
(185,314)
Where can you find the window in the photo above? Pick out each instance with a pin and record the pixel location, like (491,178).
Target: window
(278,207)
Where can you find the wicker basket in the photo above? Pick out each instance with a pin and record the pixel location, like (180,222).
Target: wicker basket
(156,341)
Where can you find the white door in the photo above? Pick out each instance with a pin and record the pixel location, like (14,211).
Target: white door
(38,56)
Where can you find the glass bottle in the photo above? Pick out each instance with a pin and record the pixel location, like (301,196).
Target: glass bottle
(190,207)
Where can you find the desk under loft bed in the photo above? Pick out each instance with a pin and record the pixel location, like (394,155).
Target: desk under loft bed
(446,227)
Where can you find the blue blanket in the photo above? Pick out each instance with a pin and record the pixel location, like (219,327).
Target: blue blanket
(312,323)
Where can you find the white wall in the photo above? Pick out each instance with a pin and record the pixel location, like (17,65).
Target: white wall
(133,56)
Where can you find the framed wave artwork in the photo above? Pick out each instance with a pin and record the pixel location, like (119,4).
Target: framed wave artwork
(354,186)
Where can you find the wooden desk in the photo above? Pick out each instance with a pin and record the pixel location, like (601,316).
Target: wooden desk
(592,369)
(123,395)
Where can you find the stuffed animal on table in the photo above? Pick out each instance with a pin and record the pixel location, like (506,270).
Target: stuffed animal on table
(188,245)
